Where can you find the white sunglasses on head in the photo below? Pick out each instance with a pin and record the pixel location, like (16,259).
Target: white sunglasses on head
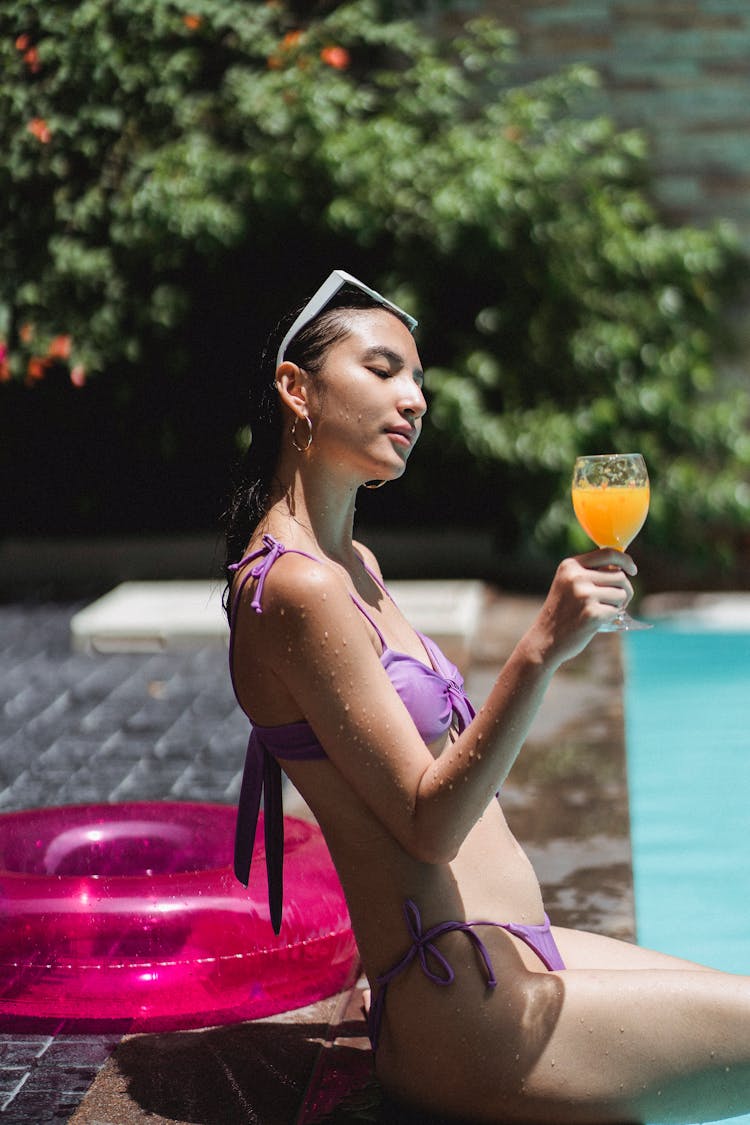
(319,300)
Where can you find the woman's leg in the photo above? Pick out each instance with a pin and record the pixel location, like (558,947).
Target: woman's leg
(674,1035)
(583,950)
(646,1045)
(629,1041)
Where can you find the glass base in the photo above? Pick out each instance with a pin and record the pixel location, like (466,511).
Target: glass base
(623,623)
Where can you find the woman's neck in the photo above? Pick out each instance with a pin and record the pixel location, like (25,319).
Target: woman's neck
(320,517)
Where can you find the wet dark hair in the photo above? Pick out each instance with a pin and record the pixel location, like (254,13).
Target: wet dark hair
(255,472)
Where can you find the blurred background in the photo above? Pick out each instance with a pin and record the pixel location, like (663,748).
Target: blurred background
(558,191)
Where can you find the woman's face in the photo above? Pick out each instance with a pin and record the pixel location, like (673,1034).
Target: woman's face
(368,403)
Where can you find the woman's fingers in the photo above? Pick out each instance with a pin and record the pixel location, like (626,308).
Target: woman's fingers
(608,557)
(605,589)
(607,593)
(587,591)
(609,579)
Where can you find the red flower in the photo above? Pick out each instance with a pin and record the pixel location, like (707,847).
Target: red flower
(39,128)
(59,347)
(36,369)
(4,372)
(192,22)
(288,43)
(337,57)
(78,375)
(31,58)
(22,43)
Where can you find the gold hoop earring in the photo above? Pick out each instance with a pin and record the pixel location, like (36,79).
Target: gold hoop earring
(301,448)
(371,484)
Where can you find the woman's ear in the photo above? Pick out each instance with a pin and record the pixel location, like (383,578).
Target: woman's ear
(292,383)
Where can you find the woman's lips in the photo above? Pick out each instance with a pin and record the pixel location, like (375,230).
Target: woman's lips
(405,437)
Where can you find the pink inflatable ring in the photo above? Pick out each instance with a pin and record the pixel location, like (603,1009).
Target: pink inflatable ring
(131,913)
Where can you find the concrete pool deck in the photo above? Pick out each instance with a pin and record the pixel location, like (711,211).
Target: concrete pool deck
(79,726)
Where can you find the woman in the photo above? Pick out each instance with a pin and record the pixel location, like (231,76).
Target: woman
(479,1008)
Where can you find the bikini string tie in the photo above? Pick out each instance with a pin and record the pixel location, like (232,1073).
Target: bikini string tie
(270,551)
(424,949)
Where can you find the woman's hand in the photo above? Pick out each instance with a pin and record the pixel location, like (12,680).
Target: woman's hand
(586,591)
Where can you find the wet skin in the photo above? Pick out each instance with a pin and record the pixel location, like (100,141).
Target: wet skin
(622,1034)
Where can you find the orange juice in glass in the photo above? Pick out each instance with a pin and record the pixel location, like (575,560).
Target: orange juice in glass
(611,494)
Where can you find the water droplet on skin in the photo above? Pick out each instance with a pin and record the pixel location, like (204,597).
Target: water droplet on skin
(346,706)
(325,635)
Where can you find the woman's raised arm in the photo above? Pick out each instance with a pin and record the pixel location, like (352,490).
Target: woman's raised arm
(319,647)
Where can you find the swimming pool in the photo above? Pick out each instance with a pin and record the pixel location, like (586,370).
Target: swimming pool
(687,697)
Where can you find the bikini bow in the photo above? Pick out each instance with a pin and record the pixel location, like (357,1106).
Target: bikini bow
(268,554)
(424,949)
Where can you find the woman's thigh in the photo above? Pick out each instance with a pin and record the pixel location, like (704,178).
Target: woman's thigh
(608,1044)
(646,1045)
(583,950)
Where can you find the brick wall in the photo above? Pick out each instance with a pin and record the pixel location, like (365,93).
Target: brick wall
(678,68)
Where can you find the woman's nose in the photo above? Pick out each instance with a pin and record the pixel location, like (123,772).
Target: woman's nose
(413,401)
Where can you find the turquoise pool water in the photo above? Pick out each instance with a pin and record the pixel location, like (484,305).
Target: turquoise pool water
(687,708)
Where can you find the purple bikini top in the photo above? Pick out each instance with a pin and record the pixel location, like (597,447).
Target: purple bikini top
(433,695)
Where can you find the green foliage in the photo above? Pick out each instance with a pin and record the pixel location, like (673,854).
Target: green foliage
(170,169)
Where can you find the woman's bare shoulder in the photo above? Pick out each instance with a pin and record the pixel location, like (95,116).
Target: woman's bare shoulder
(295,584)
(282,623)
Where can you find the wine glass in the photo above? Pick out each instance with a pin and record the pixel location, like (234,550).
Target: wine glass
(610,494)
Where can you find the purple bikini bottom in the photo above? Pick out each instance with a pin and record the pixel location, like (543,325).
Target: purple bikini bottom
(539,938)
